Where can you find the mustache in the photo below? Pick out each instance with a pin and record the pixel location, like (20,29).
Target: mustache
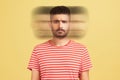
(59,29)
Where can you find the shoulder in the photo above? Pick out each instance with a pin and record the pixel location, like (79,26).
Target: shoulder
(78,44)
(41,45)
(80,48)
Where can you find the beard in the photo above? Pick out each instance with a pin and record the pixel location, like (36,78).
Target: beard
(60,33)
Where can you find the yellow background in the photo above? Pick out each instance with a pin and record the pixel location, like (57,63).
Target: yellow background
(17,39)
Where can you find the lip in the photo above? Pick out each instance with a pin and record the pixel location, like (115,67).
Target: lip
(61,30)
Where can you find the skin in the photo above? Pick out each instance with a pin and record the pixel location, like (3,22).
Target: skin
(84,75)
(60,25)
(35,75)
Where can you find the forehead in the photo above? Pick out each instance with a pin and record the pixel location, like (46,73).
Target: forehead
(60,17)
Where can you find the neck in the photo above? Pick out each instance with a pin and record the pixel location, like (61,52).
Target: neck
(60,42)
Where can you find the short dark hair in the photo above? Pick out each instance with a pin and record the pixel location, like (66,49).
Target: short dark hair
(60,10)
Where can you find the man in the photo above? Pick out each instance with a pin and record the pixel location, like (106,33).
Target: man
(60,58)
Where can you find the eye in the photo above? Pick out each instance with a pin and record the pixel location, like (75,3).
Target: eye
(64,21)
(55,21)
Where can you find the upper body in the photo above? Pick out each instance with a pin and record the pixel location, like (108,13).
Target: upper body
(65,62)
(60,58)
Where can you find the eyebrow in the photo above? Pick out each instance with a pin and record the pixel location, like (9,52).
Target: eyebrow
(73,21)
(60,20)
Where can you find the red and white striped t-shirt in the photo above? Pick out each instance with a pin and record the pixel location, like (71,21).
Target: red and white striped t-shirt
(60,62)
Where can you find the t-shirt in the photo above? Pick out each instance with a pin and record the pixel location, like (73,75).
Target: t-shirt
(60,62)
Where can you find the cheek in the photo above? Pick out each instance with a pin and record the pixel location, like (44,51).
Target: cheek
(66,27)
(54,26)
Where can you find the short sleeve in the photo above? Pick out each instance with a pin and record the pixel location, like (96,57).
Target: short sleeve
(85,61)
(34,61)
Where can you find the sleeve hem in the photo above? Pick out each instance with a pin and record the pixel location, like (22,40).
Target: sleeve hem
(29,68)
(86,69)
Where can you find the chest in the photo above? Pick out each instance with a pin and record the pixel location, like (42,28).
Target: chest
(60,61)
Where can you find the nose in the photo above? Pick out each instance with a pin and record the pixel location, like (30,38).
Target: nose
(60,24)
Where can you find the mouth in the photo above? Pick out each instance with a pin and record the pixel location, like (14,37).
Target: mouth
(60,31)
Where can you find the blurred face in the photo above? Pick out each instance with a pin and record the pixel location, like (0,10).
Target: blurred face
(60,25)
